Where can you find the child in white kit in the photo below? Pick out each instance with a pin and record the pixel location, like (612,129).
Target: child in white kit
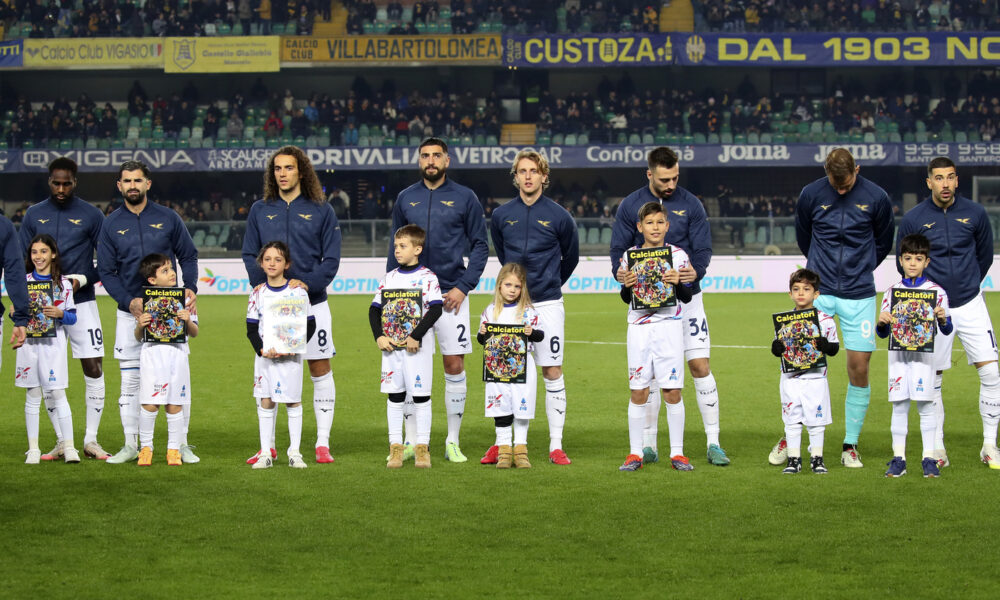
(277,376)
(407,352)
(41,364)
(911,373)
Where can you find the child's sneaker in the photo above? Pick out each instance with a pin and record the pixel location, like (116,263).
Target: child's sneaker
(128,453)
(295,461)
(521,457)
(263,462)
(990,456)
(505,456)
(71,454)
(253,459)
(681,463)
(850,459)
(453,453)
(794,465)
(817,466)
(717,456)
(633,462)
(942,458)
(54,453)
(323,456)
(649,455)
(174,458)
(779,454)
(145,456)
(31,457)
(930,466)
(897,467)
(187,455)
(558,457)
(94,450)
(395,457)
(421,456)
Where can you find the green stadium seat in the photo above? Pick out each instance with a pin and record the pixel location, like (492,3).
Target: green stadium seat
(582,139)
(699,138)
(740,138)
(753,137)
(725,138)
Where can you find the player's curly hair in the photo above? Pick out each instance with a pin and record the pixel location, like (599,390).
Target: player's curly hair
(308,180)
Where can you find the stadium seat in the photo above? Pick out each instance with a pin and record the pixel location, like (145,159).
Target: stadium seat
(647,138)
(699,138)
(132,144)
(558,139)
(593,236)
(789,234)
(63,144)
(714,138)
(726,138)
(570,139)
(750,237)
(581,232)
(605,236)
(766,138)
(90,145)
(762,235)
(739,138)
(753,137)
(687,140)
(170,144)
(491,140)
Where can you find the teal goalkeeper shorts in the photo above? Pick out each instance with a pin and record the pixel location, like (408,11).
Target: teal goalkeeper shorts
(857,320)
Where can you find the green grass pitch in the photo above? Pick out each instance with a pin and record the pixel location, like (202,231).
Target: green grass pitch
(353,529)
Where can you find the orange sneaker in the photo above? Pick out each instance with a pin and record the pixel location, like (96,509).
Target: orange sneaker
(173,458)
(145,456)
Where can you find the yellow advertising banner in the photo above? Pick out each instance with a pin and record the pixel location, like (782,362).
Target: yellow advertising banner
(483,49)
(231,54)
(90,53)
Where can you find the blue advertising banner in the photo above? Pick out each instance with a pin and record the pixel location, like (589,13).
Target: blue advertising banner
(500,157)
(747,50)
(12,54)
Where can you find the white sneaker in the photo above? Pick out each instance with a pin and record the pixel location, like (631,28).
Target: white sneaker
(779,454)
(71,454)
(188,456)
(991,456)
(264,462)
(850,459)
(33,457)
(295,461)
(942,458)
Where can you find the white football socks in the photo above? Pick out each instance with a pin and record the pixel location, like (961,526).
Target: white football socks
(989,401)
(636,426)
(175,430)
(521,431)
(928,425)
(651,426)
(128,403)
(938,414)
(675,425)
(294,429)
(793,437)
(455,389)
(394,417)
(816,435)
(324,403)
(422,413)
(265,421)
(555,410)
(899,426)
(147,422)
(57,399)
(504,435)
(32,406)
(95,393)
(708,404)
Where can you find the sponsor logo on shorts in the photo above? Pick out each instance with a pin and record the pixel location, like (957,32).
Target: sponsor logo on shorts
(819,411)
(184,392)
(22,373)
(920,384)
(277,389)
(673,375)
(492,401)
(417,384)
(524,406)
(895,384)
(159,388)
(257,381)
(52,375)
(786,408)
(386,375)
(633,373)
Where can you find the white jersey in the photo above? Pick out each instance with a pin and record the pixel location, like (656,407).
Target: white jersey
(828,329)
(911,374)
(42,362)
(638,317)
(265,296)
(518,399)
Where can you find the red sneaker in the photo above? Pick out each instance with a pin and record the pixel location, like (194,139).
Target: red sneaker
(558,457)
(490,458)
(323,455)
(253,459)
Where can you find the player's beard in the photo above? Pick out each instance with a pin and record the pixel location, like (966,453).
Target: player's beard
(436,177)
(135,200)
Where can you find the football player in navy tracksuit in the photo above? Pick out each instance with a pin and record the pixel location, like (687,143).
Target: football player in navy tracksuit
(452,217)
(689,231)
(294,210)
(961,256)
(75,225)
(844,227)
(536,232)
(13,277)
(133,231)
